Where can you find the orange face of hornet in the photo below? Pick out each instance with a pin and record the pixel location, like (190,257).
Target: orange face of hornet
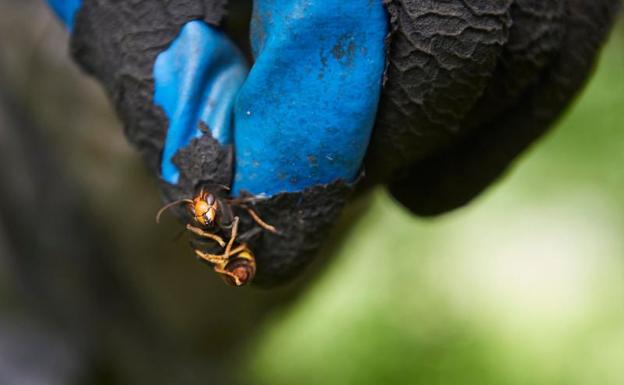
(204,208)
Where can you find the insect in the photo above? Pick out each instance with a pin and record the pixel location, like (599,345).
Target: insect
(212,215)
(238,269)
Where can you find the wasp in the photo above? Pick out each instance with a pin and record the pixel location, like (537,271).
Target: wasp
(212,215)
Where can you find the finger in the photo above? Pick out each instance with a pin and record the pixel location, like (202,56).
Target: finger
(452,178)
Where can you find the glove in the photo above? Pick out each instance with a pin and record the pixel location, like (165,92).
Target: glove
(471,85)
(452,92)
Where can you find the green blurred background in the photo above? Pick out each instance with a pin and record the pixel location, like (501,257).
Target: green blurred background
(525,286)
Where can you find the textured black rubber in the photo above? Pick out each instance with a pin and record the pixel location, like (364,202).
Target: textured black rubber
(469,85)
(118,42)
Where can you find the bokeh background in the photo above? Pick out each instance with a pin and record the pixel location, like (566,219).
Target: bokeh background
(524,286)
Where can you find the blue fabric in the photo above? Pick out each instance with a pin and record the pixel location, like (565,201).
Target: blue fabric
(196,80)
(305,114)
(66,10)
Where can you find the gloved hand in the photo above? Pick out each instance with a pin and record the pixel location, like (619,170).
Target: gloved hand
(451,92)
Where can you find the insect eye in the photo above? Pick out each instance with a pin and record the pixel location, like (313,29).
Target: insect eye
(210,199)
(211,214)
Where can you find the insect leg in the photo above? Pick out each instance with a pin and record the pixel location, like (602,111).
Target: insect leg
(240,201)
(249,234)
(238,249)
(216,260)
(205,234)
(259,220)
(228,247)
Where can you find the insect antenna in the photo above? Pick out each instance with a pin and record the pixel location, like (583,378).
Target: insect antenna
(170,205)
(211,186)
(226,188)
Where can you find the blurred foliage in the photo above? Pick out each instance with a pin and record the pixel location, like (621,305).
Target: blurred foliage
(526,286)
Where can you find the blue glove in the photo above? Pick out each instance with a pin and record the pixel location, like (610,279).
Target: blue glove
(452,92)
(310,57)
(299,121)
(66,10)
(306,111)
